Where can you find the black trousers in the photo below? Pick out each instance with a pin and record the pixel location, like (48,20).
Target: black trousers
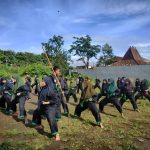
(50,112)
(37,116)
(37,89)
(14,104)
(58,107)
(92,106)
(22,101)
(2,103)
(58,112)
(64,105)
(142,94)
(137,89)
(73,94)
(79,87)
(132,100)
(50,115)
(114,100)
(100,95)
(8,100)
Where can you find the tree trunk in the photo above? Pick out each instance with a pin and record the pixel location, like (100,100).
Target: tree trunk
(87,64)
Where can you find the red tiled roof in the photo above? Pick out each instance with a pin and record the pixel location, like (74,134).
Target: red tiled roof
(131,57)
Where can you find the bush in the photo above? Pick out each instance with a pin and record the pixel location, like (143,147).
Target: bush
(40,69)
(5,71)
(33,69)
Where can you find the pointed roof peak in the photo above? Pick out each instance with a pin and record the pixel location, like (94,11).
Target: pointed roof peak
(132,53)
(131,57)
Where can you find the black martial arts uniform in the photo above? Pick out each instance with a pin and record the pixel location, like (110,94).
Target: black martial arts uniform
(128,93)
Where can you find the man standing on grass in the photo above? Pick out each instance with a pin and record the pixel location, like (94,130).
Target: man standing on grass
(60,98)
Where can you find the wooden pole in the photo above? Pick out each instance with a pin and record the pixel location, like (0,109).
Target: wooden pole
(51,67)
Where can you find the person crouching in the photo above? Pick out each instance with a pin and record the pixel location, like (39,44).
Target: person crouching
(87,100)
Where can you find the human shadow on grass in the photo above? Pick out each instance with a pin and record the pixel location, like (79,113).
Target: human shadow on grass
(42,132)
(83,120)
(28,123)
(23,121)
(15,117)
(38,128)
(109,114)
(128,109)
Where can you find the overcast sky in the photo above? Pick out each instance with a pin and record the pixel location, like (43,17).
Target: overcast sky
(24,24)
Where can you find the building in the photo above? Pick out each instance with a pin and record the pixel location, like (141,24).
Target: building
(131,57)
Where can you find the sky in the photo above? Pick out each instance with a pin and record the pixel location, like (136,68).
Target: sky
(25,24)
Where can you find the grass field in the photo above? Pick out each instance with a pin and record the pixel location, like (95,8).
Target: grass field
(131,133)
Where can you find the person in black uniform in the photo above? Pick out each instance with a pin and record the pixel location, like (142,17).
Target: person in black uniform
(22,95)
(103,90)
(80,84)
(2,100)
(60,97)
(119,83)
(137,85)
(36,84)
(64,87)
(128,93)
(144,90)
(72,91)
(87,100)
(47,106)
(97,84)
(7,90)
(111,97)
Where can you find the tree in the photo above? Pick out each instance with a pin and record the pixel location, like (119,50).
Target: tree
(19,58)
(54,49)
(83,48)
(107,57)
(2,57)
(9,57)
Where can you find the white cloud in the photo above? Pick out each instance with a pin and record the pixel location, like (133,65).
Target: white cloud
(124,7)
(79,20)
(82,20)
(142,45)
(110,7)
(131,24)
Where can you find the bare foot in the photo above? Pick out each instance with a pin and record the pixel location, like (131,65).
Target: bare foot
(57,138)
(101,125)
(137,110)
(122,115)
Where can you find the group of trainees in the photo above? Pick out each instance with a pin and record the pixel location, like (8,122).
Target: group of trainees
(53,92)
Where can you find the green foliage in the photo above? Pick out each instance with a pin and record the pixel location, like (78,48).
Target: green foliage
(54,45)
(107,57)
(32,69)
(10,57)
(40,69)
(9,145)
(6,71)
(83,48)
(56,53)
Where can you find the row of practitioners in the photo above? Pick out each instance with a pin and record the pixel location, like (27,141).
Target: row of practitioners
(51,96)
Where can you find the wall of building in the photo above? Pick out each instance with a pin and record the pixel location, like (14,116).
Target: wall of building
(132,72)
